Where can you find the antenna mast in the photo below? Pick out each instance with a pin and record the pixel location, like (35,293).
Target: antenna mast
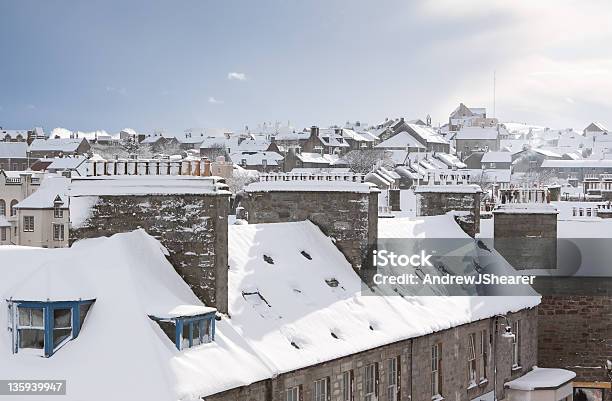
(494,115)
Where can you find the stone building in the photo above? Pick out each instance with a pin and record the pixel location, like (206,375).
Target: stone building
(472,139)
(344,210)
(55,147)
(42,218)
(188,215)
(14,187)
(434,200)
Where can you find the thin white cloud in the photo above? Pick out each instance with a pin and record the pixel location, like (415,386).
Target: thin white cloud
(114,89)
(236,76)
(212,100)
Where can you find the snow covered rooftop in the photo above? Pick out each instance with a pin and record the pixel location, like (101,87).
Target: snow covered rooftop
(317,158)
(57,145)
(44,197)
(451,189)
(10,150)
(477,133)
(541,379)
(497,157)
(401,140)
(583,163)
(145,185)
(525,208)
(311,186)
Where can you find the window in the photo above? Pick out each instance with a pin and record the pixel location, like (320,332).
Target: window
(516,343)
(472,359)
(393,379)
(62,325)
(482,355)
(58,232)
(45,326)
(436,372)
(3,233)
(188,331)
(292,394)
(320,389)
(31,329)
(371,378)
(28,223)
(2,207)
(347,385)
(58,213)
(13,210)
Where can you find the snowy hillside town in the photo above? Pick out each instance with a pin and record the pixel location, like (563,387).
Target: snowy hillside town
(234,265)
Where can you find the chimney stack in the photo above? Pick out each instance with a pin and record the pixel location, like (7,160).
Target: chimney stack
(314,131)
(206,167)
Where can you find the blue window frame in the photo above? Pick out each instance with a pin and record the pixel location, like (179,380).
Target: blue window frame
(188,331)
(45,326)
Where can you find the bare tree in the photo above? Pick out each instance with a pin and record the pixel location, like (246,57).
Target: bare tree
(363,161)
(241,178)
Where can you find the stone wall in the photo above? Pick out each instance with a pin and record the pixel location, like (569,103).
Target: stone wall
(349,218)
(414,367)
(193,228)
(438,203)
(526,241)
(576,334)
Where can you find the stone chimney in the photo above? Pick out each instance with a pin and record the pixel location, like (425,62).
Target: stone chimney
(314,131)
(191,225)
(206,167)
(348,216)
(525,234)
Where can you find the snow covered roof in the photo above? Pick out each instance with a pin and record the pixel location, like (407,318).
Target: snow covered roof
(451,189)
(541,379)
(45,196)
(583,163)
(596,126)
(254,144)
(401,140)
(145,185)
(10,150)
(66,163)
(477,133)
(450,160)
(525,208)
(130,279)
(256,158)
(497,157)
(427,133)
(311,186)
(317,158)
(292,318)
(56,144)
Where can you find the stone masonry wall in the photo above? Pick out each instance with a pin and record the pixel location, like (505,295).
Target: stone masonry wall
(526,241)
(438,203)
(193,228)
(576,334)
(350,219)
(414,367)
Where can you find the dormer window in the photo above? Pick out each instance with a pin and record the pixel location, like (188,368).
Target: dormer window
(44,327)
(188,331)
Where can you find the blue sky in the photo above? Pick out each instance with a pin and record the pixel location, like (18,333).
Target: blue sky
(164,64)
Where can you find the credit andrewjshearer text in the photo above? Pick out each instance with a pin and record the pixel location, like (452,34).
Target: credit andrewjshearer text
(434,279)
